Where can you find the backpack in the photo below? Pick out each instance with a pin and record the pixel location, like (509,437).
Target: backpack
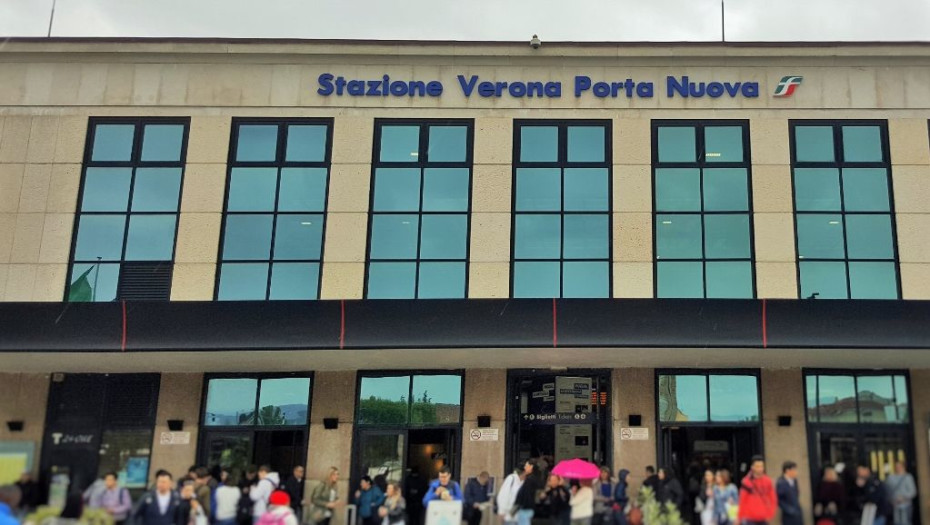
(273,518)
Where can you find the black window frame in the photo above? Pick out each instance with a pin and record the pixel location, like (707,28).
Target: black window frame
(839,164)
(133,163)
(856,374)
(707,372)
(561,163)
(279,163)
(701,164)
(363,374)
(422,163)
(259,377)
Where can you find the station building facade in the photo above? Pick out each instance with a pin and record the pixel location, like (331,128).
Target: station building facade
(393,256)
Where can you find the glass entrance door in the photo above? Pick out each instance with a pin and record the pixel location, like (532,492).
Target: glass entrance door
(381,453)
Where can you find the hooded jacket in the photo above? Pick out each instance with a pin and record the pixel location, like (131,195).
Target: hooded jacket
(261,492)
(620,496)
(281,514)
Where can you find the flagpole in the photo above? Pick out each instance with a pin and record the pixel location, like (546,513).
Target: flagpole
(93,292)
(51,18)
(723,26)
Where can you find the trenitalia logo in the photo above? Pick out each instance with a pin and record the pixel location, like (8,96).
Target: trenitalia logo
(787,85)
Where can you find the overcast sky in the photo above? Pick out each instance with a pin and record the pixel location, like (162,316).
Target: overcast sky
(576,20)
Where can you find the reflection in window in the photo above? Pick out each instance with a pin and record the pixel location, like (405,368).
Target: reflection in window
(561,224)
(127,453)
(283,401)
(732,398)
(419,400)
(866,398)
(384,400)
(230,402)
(845,228)
(128,210)
(436,399)
(418,244)
(257,401)
(275,210)
(702,213)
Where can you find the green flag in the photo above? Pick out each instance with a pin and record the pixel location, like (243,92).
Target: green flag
(81,291)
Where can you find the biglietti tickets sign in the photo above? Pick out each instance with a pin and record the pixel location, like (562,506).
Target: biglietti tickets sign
(581,86)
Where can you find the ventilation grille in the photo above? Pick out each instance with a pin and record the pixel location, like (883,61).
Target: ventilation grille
(145,281)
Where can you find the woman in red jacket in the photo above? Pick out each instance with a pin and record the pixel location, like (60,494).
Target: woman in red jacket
(757,500)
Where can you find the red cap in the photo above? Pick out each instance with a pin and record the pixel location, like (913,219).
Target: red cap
(279,498)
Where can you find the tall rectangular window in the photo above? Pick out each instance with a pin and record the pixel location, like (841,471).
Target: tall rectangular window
(420,203)
(844,216)
(561,203)
(275,209)
(703,210)
(126,224)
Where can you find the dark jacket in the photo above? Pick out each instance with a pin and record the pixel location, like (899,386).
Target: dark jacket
(620,496)
(526,496)
(789,502)
(873,491)
(558,501)
(474,493)
(295,489)
(652,482)
(831,492)
(670,491)
(148,513)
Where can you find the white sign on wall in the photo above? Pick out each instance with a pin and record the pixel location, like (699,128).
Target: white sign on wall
(175,438)
(484,434)
(634,433)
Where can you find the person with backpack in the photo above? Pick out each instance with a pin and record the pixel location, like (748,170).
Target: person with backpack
(508,495)
(260,495)
(115,500)
(621,499)
(279,511)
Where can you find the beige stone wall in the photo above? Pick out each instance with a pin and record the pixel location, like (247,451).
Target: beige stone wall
(910,171)
(179,397)
(632,206)
(489,250)
(333,396)
(920,408)
(782,394)
(485,394)
(634,393)
(24,397)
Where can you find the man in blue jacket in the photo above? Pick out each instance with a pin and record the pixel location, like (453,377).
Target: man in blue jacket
(162,506)
(9,500)
(443,488)
(788,495)
(368,498)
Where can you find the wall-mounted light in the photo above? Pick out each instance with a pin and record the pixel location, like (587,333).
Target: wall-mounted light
(330,423)
(15,426)
(784,421)
(636,420)
(175,425)
(484,421)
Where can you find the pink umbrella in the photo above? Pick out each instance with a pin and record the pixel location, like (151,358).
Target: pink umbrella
(576,469)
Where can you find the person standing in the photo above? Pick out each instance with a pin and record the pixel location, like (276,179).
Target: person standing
(227,501)
(279,511)
(726,495)
(704,501)
(670,489)
(476,494)
(603,497)
(30,493)
(830,499)
(582,503)
(115,500)
(871,497)
(268,482)
(162,505)
(557,498)
(902,490)
(368,498)
(294,486)
(621,499)
(10,497)
(202,490)
(786,489)
(526,496)
(652,481)
(757,499)
(442,488)
(325,498)
(393,511)
(508,495)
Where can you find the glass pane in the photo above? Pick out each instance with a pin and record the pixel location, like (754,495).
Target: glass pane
(302,189)
(810,383)
(283,401)
(586,189)
(586,144)
(729,280)
(397,189)
(298,237)
(230,402)
(537,236)
(113,142)
(865,189)
(726,189)
(683,398)
(384,400)
(443,236)
(447,143)
(734,398)
(678,189)
(837,399)
(306,143)
(93,282)
(257,143)
(820,236)
(243,282)
(247,237)
(678,236)
(817,189)
(835,447)
(231,451)
(162,142)
(400,143)
(391,280)
(294,281)
(382,455)
(873,280)
(869,237)
(100,236)
(586,237)
(680,280)
(394,236)
(586,279)
(536,279)
(813,144)
(901,398)
(876,399)
(252,189)
(723,144)
(106,189)
(883,449)
(445,189)
(726,236)
(156,189)
(127,453)
(539,144)
(441,280)
(436,399)
(151,237)
(826,279)
(862,144)
(539,189)
(677,144)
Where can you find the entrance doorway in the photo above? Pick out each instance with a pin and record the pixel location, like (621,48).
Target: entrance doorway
(282,450)
(692,450)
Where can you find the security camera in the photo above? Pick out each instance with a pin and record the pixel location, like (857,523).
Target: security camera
(535,42)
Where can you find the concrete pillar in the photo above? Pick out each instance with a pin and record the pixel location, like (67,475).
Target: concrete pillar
(492,187)
(910,169)
(485,394)
(24,397)
(333,397)
(920,408)
(179,397)
(633,393)
(783,395)
(632,209)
